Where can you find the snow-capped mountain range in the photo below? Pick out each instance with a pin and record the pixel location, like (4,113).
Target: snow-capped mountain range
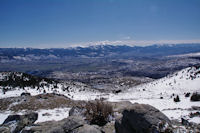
(31,54)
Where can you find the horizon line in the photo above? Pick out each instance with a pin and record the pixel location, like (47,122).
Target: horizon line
(132,43)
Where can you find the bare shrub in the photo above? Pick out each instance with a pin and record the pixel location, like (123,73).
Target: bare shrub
(177,99)
(98,112)
(187,94)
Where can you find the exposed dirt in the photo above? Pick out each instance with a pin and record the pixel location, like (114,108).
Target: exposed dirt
(42,101)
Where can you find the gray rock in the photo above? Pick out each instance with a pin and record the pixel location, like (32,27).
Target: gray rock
(56,130)
(67,125)
(4,129)
(88,129)
(25,94)
(185,122)
(109,127)
(72,123)
(140,118)
(77,111)
(15,123)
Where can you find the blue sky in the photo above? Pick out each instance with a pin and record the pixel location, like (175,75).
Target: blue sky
(61,23)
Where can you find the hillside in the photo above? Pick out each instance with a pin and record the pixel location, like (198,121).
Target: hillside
(159,93)
(13,84)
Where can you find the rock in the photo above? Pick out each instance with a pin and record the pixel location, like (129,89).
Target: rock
(56,130)
(140,118)
(25,119)
(196,108)
(109,127)
(187,94)
(195,97)
(72,123)
(44,127)
(25,94)
(128,118)
(185,122)
(88,129)
(117,91)
(67,125)
(15,123)
(77,111)
(4,130)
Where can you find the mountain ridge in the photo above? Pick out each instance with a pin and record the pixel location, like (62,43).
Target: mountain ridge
(102,51)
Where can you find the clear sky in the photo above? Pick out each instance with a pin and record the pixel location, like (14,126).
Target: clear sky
(55,23)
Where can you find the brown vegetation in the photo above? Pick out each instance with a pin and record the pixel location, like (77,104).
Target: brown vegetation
(42,101)
(98,112)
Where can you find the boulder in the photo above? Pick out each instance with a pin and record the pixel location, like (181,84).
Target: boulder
(4,129)
(45,127)
(140,118)
(128,118)
(195,97)
(67,125)
(88,129)
(77,111)
(72,123)
(15,123)
(109,127)
(25,94)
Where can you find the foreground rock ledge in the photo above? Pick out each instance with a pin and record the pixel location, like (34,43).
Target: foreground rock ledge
(128,118)
(140,118)
(16,123)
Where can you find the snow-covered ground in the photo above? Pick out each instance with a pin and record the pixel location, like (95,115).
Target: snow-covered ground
(75,90)
(187,55)
(159,93)
(52,114)
(3,116)
(187,80)
(55,114)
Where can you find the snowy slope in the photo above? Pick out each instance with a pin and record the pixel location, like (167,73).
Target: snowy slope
(13,84)
(179,83)
(186,80)
(187,55)
(71,90)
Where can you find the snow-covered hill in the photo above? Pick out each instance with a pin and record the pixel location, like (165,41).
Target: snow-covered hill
(159,93)
(186,80)
(179,83)
(13,84)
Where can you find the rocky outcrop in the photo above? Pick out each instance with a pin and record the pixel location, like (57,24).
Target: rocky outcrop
(15,123)
(131,118)
(140,118)
(77,111)
(88,129)
(72,124)
(127,118)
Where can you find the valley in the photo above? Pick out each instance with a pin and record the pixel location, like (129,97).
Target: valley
(53,87)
